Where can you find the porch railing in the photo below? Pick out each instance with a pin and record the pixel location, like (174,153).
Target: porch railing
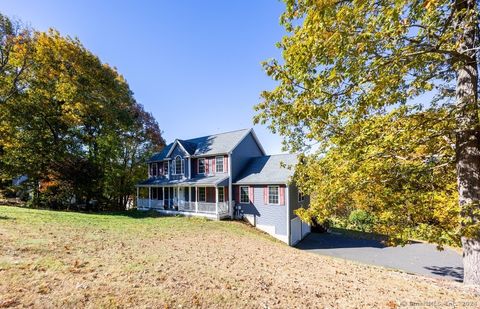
(182,205)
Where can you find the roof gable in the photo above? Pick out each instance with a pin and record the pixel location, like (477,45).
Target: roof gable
(268,170)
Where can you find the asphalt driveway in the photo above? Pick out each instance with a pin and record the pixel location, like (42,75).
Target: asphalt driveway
(417,258)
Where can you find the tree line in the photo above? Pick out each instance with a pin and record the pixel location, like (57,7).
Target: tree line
(68,122)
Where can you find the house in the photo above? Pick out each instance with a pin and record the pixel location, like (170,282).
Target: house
(226,176)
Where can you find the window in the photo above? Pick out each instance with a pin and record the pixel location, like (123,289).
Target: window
(154,193)
(273,195)
(201,166)
(301,197)
(165,168)
(178,165)
(154,169)
(219,164)
(221,194)
(202,194)
(244,195)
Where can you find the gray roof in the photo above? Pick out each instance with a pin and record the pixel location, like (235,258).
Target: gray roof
(206,145)
(219,180)
(268,170)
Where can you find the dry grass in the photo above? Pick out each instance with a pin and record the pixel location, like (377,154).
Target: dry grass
(58,259)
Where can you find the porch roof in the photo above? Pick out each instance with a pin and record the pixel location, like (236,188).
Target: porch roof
(217,180)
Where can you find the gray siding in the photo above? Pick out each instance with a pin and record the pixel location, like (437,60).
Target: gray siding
(270,215)
(247,149)
(211,172)
(293,200)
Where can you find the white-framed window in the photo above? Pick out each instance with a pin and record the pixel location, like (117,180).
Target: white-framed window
(219,164)
(274,195)
(202,195)
(244,195)
(165,168)
(221,194)
(178,167)
(301,197)
(201,166)
(154,169)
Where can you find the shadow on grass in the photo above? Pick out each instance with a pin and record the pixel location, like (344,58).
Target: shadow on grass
(133,213)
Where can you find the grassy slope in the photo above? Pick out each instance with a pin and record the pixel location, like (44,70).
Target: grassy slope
(53,259)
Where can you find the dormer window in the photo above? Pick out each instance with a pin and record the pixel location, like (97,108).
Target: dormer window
(178,167)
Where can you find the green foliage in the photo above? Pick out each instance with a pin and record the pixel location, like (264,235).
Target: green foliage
(361,220)
(74,127)
(366,91)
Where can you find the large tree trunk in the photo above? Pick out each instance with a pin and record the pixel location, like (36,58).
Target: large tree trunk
(468,138)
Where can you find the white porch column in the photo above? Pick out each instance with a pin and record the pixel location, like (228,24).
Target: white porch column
(149,197)
(196,199)
(216,200)
(138,196)
(163,196)
(189,197)
(178,196)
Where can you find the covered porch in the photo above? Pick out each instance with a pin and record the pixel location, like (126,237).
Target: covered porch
(209,201)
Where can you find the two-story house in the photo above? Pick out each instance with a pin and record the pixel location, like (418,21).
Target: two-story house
(226,175)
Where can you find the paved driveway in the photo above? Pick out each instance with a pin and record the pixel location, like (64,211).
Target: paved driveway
(417,258)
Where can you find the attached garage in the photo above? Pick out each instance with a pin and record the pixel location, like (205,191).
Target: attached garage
(295,230)
(298,230)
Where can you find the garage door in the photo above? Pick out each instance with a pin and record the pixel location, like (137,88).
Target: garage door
(296,230)
(305,229)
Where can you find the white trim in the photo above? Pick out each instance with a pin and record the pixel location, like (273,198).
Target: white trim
(268,196)
(198,166)
(230,186)
(289,232)
(218,194)
(198,196)
(177,142)
(298,197)
(240,194)
(223,163)
(182,166)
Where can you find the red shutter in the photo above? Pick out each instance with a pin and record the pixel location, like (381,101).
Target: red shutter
(225,164)
(250,194)
(206,165)
(282,195)
(213,166)
(265,195)
(225,193)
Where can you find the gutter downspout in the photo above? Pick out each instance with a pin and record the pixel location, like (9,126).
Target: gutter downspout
(230,189)
(287,200)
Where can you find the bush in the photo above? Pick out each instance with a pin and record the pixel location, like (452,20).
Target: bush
(361,220)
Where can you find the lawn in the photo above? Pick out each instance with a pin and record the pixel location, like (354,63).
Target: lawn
(132,259)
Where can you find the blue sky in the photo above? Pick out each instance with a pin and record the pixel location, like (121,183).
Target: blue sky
(194,64)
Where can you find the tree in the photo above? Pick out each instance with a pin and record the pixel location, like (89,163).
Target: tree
(70,128)
(15,51)
(348,64)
